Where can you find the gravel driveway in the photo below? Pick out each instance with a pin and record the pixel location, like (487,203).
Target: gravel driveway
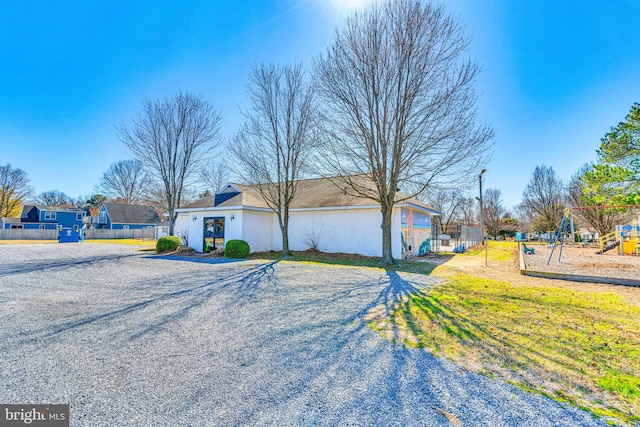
(128,338)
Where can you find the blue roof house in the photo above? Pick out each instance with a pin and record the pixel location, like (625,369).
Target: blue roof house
(35,217)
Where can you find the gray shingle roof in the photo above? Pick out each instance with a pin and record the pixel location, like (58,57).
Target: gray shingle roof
(132,214)
(7,220)
(311,193)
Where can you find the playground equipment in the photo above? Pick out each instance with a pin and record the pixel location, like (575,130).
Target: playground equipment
(566,219)
(626,239)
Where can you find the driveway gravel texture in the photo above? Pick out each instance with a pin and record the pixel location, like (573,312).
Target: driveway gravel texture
(131,338)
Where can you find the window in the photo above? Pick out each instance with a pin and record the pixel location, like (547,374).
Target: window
(103,217)
(49,215)
(79,217)
(125,227)
(42,226)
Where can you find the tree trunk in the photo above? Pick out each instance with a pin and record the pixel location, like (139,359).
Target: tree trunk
(387,256)
(172,223)
(284,228)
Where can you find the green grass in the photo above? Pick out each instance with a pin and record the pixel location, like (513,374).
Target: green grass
(498,250)
(575,347)
(26,242)
(147,245)
(406,266)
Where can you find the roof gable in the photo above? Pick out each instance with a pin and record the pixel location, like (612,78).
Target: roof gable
(311,193)
(131,214)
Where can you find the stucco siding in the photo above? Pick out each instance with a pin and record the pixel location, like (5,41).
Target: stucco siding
(181,228)
(257,229)
(195,228)
(332,230)
(336,230)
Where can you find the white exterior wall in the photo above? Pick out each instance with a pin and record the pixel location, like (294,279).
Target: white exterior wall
(396,231)
(181,226)
(338,230)
(257,229)
(195,228)
(335,230)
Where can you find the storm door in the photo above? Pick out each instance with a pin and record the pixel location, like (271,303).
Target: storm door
(213,234)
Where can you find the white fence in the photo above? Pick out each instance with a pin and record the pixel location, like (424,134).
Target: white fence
(28,234)
(22,234)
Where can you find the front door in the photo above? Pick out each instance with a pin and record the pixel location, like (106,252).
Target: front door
(213,234)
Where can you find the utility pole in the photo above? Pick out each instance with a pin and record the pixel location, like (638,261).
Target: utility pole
(484,240)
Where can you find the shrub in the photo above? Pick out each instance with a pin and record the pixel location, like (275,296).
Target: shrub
(168,244)
(236,249)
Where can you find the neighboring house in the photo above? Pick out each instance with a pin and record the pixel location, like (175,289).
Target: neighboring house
(323,215)
(162,229)
(116,216)
(46,218)
(8,223)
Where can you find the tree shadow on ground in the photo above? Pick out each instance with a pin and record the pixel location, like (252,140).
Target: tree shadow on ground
(184,297)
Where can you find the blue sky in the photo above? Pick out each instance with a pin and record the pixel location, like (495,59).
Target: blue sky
(557,74)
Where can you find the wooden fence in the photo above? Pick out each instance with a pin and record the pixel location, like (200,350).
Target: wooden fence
(28,234)
(131,233)
(22,234)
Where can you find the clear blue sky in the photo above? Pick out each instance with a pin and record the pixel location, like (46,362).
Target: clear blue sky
(557,74)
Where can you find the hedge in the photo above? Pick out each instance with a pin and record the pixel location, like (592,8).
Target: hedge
(236,249)
(168,244)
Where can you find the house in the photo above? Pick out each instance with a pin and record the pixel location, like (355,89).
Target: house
(8,223)
(115,216)
(323,215)
(46,218)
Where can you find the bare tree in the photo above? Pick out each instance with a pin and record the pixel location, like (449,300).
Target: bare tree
(494,211)
(172,137)
(53,198)
(469,211)
(524,217)
(449,203)
(126,181)
(215,174)
(14,190)
(157,197)
(544,198)
(399,104)
(279,133)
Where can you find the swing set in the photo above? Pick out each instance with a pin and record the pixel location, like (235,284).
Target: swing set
(626,238)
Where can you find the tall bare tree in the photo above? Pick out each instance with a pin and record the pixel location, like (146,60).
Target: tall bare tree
(277,137)
(545,198)
(172,137)
(53,198)
(450,203)
(215,174)
(494,211)
(126,181)
(399,104)
(14,190)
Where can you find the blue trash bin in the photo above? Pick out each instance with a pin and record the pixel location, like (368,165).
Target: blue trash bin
(70,235)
